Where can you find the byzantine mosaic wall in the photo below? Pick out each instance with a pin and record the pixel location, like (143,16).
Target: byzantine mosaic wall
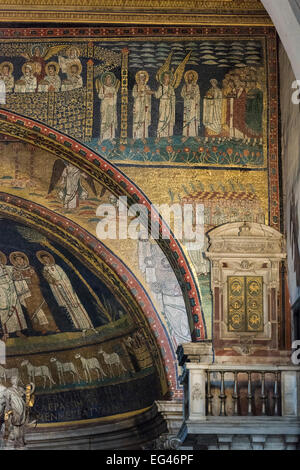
(174,101)
(189,115)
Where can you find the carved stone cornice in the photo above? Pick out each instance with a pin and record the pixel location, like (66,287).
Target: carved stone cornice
(195,352)
(192,12)
(193,19)
(249,240)
(245,248)
(141,4)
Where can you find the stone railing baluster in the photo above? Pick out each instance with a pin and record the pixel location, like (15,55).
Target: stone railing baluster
(235,395)
(222,395)
(209,395)
(249,395)
(283,381)
(263,395)
(276,394)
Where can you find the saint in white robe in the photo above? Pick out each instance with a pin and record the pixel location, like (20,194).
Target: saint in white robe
(50,83)
(166,120)
(11,315)
(27,285)
(9,83)
(191,119)
(212,112)
(141,111)
(2,92)
(108,112)
(66,296)
(26,84)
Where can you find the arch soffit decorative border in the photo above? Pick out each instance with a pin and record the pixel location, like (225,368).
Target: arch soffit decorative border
(108,175)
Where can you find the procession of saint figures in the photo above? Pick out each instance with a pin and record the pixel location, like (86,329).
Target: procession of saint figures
(40,75)
(232,108)
(20,287)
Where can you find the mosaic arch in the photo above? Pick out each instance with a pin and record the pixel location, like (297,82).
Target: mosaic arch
(106,266)
(189,114)
(66,148)
(120,319)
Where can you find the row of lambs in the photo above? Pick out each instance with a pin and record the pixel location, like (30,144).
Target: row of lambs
(89,366)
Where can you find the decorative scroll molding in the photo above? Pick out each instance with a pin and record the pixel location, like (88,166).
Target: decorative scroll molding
(164,442)
(134,18)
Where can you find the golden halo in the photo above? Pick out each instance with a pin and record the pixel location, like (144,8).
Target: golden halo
(55,65)
(16,254)
(113,78)
(77,63)
(141,72)
(194,73)
(9,65)
(28,64)
(3,258)
(74,48)
(166,72)
(41,253)
(37,46)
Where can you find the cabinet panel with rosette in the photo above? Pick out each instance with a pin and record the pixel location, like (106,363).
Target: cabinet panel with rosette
(246,282)
(245,303)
